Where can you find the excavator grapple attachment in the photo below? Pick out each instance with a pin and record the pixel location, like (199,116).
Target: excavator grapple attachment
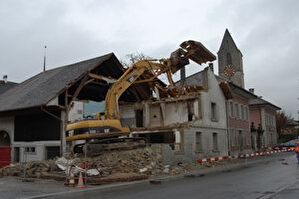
(197,52)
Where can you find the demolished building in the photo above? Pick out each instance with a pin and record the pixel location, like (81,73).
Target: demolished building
(190,127)
(33,113)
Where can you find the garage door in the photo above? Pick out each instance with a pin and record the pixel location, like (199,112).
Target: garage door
(5,157)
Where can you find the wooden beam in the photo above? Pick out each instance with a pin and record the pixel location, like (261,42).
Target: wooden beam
(89,81)
(100,77)
(145,80)
(79,88)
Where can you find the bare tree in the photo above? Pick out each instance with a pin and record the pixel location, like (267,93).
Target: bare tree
(133,58)
(282,121)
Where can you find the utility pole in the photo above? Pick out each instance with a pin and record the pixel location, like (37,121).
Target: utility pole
(45,48)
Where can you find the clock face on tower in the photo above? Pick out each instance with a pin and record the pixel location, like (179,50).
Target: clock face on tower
(229,71)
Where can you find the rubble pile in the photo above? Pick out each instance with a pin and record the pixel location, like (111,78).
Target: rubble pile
(146,161)
(35,169)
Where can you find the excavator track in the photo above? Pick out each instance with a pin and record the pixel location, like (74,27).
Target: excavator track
(99,147)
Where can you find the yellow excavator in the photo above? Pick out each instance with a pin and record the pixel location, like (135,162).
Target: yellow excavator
(107,132)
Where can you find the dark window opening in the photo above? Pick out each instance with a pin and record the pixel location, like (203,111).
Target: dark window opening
(139,118)
(4,138)
(198,141)
(17,154)
(52,152)
(158,138)
(213,111)
(190,107)
(29,150)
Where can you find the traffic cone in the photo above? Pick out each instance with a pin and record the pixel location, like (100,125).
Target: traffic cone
(80,181)
(72,179)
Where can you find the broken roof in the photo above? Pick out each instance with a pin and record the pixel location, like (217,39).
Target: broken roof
(40,89)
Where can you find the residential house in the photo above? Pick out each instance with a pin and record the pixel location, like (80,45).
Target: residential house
(5,157)
(34,113)
(263,122)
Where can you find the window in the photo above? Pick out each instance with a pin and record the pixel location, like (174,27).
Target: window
(246,113)
(178,145)
(228,59)
(215,142)
(241,140)
(213,112)
(237,110)
(272,120)
(198,142)
(190,107)
(52,152)
(29,150)
(232,137)
(242,112)
(248,139)
(231,109)
(17,154)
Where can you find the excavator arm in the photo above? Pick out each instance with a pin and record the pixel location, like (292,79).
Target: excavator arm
(126,80)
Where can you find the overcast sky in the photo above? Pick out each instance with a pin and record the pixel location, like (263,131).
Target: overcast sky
(266,31)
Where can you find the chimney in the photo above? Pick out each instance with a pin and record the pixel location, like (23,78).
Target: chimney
(183,74)
(5,78)
(251,90)
(211,66)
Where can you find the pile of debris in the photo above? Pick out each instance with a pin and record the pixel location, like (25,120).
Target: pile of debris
(36,169)
(146,161)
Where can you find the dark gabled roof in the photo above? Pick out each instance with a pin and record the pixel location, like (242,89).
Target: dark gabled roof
(195,79)
(261,102)
(5,86)
(241,91)
(227,36)
(45,86)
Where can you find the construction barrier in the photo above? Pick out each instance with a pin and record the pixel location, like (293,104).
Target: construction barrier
(221,158)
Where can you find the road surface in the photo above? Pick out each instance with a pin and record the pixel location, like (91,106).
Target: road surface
(277,179)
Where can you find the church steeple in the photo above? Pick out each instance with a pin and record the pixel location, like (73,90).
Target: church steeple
(230,61)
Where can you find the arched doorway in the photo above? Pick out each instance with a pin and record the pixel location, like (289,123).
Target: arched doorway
(5,150)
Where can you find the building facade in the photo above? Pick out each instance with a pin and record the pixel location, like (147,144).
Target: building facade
(189,127)
(251,120)
(263,122)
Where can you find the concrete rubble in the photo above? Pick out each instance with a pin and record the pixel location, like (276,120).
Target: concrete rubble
(109,167)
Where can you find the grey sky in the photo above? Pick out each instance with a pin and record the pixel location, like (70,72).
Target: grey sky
(266,31)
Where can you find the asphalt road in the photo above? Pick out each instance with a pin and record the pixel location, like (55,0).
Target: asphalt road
(273,179)
(277,177)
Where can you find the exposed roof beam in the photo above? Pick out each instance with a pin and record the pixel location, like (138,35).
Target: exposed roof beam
(100,77)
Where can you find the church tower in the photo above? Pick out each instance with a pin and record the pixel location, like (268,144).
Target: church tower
(230,63)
